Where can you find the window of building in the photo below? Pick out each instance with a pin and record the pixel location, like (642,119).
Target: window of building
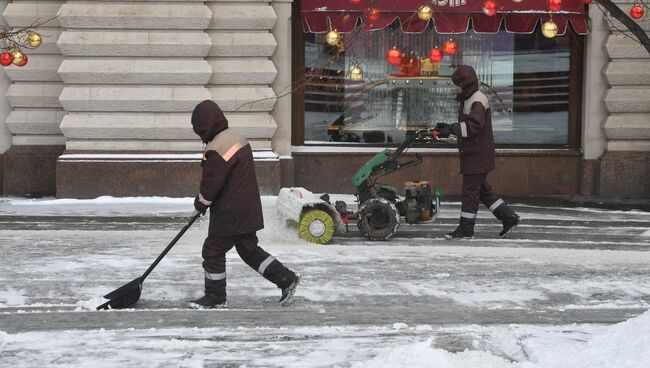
(527,78)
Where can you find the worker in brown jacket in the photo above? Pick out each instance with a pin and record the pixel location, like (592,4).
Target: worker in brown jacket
(229,189)
(477,155)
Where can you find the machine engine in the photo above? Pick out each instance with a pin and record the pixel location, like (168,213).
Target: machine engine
(418,203)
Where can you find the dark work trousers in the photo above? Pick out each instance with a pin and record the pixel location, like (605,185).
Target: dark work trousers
(475,189)
(214,262)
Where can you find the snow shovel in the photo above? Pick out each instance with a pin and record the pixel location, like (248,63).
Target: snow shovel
(129,294)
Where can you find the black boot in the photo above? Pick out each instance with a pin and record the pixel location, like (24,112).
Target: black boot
(465,230)
(289,291)
(461,232)
(209,301)
(509,224)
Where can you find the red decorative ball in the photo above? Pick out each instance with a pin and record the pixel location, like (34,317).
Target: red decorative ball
(6,59)
(450,47)
(355,1)
(587,1)
(24,62)
(554,5)
(490,8)
(372,14)
(394,56)
(636,12)
(435,55)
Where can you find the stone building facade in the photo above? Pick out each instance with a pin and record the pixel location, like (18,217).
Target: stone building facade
(103,106)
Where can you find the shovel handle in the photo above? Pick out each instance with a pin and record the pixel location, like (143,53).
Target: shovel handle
(193,218)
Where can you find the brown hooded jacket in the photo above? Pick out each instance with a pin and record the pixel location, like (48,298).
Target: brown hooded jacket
(228,182)
(474,127)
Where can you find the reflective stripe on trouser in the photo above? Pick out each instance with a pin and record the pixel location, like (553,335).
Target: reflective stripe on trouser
(214,261)
(475,189)
(469,208)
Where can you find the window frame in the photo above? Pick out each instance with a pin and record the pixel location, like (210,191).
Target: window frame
(576,72)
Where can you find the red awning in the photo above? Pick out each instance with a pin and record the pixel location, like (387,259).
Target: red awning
(449,16)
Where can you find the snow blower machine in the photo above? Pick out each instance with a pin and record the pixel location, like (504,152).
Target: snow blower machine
(380,206)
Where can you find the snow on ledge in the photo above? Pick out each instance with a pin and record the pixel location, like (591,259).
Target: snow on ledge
(265,155)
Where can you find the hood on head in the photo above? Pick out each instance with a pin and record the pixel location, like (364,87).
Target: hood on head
(208,120)
(465,77)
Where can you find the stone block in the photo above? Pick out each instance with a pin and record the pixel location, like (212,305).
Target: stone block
(242,71)
(629,73)
(34,121)
(49,46)
(28,14)
(242,44)
(161,176)
(37,140)
(135,71)
(124,15)
(253,125)
(181,44)
(242,16)
(132,98)
(149,145)
(628,126)
(34,95)
(39,68)
(625,175)
(633,99)
(30,171)
(157,126)
(628,146)
(620,46)
(170,126)
(244,98)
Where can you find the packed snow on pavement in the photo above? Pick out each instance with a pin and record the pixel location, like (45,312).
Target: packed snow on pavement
(415,301)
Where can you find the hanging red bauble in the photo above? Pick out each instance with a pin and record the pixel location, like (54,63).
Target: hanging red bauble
(372,14)
(23,62)
(636,12)
(554,5)
(6,59)
(435,55)
(355,1)
(490,8)
(394,56)
(587,1)
(450,47)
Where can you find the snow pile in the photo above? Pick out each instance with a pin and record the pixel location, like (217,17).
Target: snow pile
(624,345)
(90,304)
(3,339)
(103,200)
(12,297)
(100,206)
(424,355)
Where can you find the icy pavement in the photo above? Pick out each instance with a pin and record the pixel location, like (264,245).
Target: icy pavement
(543,297)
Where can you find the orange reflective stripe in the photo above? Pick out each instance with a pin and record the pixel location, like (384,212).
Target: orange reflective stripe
(232,150)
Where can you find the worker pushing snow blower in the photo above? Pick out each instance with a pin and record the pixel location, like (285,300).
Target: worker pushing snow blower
(380,205)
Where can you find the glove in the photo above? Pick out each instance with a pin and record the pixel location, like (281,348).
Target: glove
(200,206)
(443,129)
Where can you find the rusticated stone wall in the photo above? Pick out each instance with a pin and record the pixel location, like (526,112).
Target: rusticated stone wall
(625,167)
(35,112)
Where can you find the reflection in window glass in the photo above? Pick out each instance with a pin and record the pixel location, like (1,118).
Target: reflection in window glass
(525,76)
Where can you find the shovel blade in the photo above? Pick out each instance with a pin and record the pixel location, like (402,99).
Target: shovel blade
(125,296)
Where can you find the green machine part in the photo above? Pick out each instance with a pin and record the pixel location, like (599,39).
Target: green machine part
(366,170)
